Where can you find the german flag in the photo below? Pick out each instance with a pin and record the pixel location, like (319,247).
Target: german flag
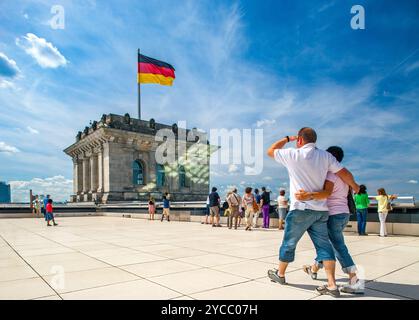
(154,71)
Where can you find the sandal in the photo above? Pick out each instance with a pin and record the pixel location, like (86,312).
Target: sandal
(273,275)
(324,290)
(307,269)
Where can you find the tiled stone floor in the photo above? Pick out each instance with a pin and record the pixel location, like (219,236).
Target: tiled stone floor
(119,258)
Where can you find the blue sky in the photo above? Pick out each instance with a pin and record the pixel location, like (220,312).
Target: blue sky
(275,65)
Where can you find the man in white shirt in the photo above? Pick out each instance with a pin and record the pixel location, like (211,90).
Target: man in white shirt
(307,168)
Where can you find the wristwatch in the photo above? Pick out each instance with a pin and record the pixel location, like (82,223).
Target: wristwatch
(288,138)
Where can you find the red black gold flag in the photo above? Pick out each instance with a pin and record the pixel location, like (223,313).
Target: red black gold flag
(155,71)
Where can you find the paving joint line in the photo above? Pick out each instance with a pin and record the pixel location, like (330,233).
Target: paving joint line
(47,283)
(140,278)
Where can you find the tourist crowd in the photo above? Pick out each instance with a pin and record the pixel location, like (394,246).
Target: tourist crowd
(250,207)
(322,195)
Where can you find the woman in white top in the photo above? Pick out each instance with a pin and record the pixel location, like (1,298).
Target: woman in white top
(282,208)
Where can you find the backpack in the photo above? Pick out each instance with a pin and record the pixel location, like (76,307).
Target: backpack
(225,205)
(255,206)
(351,202)
(236,200)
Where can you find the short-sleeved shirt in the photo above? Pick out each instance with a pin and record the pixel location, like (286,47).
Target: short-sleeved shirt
(49,208)
(248,200)
(214,199)
(338,200)
(382,202)
(166,203)
(45,202)
(234,200)
(307,167)
(282,202)
(362,201)
(266,197)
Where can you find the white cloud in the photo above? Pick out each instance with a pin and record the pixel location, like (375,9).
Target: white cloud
(58,187)
(5,148)
(45,54)
(32,130)
(8,67)
(26,16)
(264,122)
(8,70)
(4,84)
(413,181)
(267,178)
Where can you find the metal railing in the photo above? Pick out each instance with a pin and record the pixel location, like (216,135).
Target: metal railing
(400,201)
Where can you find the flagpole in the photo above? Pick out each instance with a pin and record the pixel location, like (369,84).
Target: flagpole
(139,90)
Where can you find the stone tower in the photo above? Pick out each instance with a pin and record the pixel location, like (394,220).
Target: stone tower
(115,160)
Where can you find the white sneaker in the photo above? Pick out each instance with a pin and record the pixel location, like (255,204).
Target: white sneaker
(356,288)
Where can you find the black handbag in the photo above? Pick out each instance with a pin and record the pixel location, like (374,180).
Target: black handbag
(351,202)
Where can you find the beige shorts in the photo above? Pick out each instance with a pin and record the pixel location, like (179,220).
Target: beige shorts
(215,211)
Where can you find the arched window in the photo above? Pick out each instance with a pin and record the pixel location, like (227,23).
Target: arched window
(137,173)
(182,177)
(160,175)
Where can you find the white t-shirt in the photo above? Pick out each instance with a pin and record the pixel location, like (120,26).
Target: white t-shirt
(307,167)
(282,202)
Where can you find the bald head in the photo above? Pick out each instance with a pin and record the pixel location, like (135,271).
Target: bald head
(308,135)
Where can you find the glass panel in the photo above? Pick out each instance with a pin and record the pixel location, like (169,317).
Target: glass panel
(182,177)
(137,173)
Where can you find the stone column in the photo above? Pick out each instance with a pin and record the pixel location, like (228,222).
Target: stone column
(100,170)
(79,176)
(86,175)
(93,172)
(151,167)
(75,175)
(106,167)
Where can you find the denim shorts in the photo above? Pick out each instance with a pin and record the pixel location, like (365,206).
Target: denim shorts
(282,213)
(315,223)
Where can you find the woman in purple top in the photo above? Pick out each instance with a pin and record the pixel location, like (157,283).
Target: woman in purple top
(336,192)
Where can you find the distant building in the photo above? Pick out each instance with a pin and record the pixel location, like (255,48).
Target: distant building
(5,194)
(114,160)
